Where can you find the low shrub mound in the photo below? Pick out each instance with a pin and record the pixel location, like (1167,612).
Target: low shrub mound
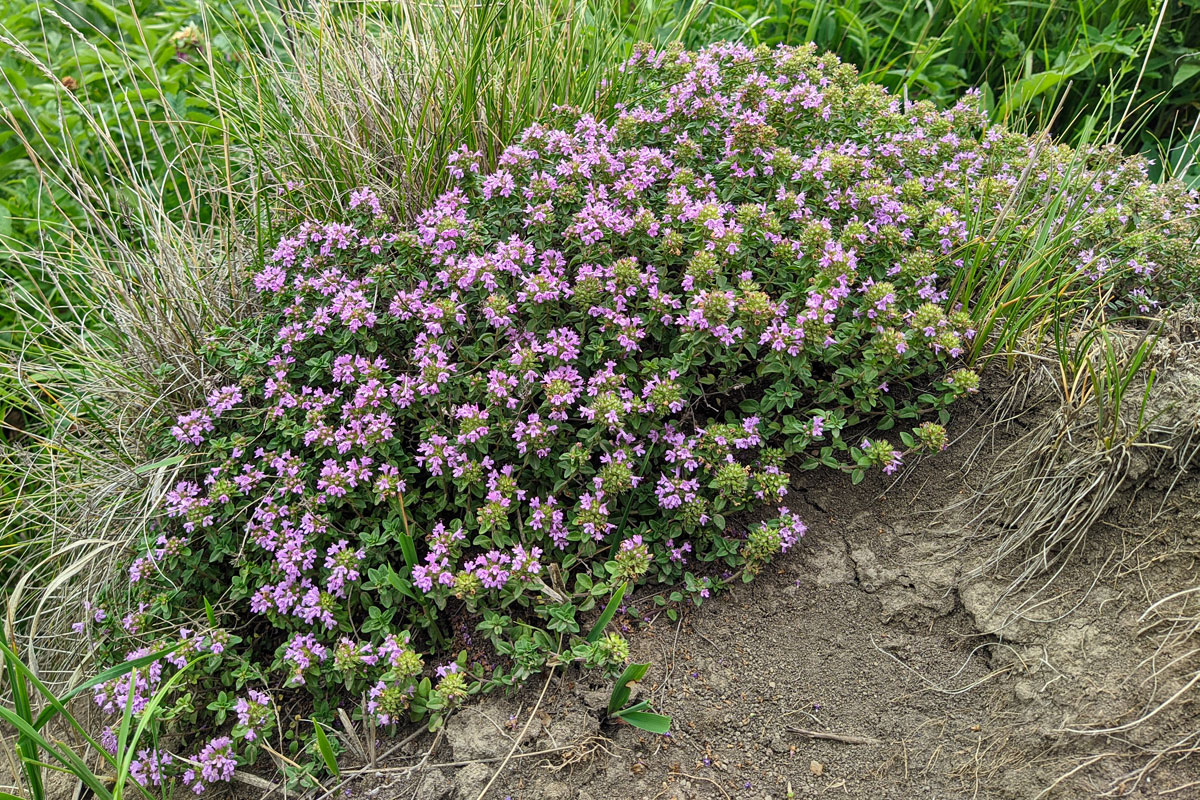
(439,452)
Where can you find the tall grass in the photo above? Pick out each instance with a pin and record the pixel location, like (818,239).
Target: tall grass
(379,94)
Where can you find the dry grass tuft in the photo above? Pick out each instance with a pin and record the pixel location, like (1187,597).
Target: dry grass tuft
(98,365)
(1082,463)
(1126,413)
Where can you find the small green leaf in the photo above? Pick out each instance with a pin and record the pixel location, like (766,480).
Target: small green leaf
(647,721)
(607,615)
(326,750)
(166,462)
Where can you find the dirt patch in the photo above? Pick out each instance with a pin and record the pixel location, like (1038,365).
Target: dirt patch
(865,665)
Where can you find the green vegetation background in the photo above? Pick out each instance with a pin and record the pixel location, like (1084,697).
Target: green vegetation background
(128,63)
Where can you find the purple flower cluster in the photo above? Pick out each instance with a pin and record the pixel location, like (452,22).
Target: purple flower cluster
(302,653)
(166,547)
(134,690)
(215,763)
(253,714)
(191,427)
(147,767)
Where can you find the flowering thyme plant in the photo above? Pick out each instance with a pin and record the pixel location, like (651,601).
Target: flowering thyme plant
(568,376)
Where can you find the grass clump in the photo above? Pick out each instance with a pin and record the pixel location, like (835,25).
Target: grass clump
(381,95)
(95,88)
(1121,398)
(434,450)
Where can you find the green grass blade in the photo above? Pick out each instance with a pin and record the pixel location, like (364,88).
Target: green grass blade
(55,704)
(326,749)
(66,756)
(647,721)
(123,744)
(26,746)
(609,611)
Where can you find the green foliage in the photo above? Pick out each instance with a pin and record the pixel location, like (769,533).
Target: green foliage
(186,116)
(1104,61)
(635,714)
(1097,370)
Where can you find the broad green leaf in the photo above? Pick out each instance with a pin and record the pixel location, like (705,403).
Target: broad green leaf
(647,721)
(326,750)
(1186,72)
(620,693)
(607,615)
